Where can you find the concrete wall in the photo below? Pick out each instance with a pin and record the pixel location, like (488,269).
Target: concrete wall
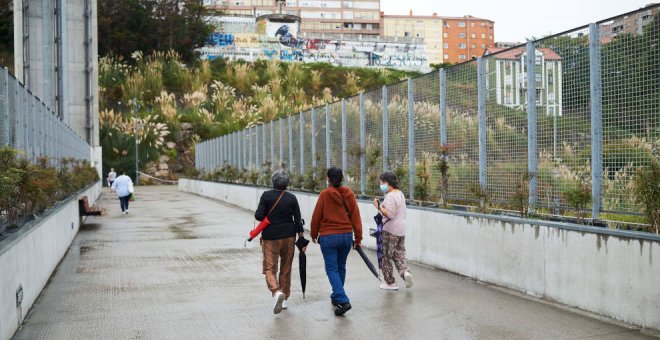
(608,272)
(29,257)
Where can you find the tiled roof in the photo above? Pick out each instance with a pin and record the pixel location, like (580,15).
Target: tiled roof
(515,53)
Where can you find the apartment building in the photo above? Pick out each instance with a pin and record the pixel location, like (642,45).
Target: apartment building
(466,37)
(425,27)
(447,39)
(633,23)
(318,16)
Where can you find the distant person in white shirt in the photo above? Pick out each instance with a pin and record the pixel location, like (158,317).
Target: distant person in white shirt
(111,177)
(123,185)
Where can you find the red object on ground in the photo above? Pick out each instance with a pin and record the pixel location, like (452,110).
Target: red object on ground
(259,228)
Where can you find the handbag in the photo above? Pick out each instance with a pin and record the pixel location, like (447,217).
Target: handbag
(130,188)
(265,222)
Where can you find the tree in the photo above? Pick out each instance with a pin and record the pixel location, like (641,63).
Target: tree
(126,26)
(6,32)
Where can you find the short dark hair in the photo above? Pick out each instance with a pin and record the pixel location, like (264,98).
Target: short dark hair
(122,172)
(390,178)
(280,180)
(336,176)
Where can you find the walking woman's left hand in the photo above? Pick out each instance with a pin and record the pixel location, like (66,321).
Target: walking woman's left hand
(376,203)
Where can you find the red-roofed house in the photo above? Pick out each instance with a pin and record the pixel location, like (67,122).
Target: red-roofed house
(506,80)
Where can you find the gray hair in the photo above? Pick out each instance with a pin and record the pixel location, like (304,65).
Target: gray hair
(280,180)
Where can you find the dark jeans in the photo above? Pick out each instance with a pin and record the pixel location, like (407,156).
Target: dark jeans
(123,202)
(335,249)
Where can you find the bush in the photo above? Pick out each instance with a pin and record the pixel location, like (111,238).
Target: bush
(27,189)
(579,197)
(647,193)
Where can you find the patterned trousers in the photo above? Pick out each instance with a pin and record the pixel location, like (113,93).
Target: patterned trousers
(278,251)
(394,250)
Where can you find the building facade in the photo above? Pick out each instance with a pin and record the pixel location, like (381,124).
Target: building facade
(466,38)
(447,39)
(506,80)
(318,16)
(428,28)
(633,23)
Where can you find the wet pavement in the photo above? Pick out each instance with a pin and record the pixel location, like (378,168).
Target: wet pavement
(175,268)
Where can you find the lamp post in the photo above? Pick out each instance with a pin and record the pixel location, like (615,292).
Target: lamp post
(136,107)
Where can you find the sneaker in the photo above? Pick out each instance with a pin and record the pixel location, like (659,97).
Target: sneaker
(285,304)
(279,299)
(126,211)
(333,302)
(123,213)
(408,277)
(342,308)
(385,286)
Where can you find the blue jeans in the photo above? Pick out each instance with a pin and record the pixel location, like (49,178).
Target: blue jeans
(123,202)
(335,249)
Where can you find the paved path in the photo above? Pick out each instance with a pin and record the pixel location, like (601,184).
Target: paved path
(175,268)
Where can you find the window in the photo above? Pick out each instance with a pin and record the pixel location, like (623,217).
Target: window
(461,24)
(445,45)
(445,24)
(483,35)
(474,36)
(471,24)
(617,29)
(483,24)
(483,45)
(551,78)
(370,26)
(406,34)
(461,35)
(462,56)
(507,68)
(445,35)
(473,46)
(446,56)
(462,46)
(491,37)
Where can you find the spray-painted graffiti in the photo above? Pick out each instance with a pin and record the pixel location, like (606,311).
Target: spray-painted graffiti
(286,47)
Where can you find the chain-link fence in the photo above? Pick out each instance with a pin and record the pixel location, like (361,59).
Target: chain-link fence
(467,135)
(28,125)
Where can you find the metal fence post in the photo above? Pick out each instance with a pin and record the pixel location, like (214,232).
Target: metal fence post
(411,138)
(302,144)
(272,146)
(363,148)
(443,106)
(386,129)
(595,89)
(281,156)
(290,143)
(263,145)
(344,147)
(481,104)
(532,162)
(313,114)
(4,107)
(327,136)
(257,159)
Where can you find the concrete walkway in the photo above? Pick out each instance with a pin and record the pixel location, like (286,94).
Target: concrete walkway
(175,268)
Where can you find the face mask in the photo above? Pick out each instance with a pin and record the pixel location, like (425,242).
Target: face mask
(384,187)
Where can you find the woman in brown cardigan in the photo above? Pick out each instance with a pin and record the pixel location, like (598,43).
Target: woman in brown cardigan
(335,221)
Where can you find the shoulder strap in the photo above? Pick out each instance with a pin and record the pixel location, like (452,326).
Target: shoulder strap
(343,200)
(274,205)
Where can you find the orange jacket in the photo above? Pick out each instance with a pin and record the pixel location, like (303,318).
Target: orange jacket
(330,216)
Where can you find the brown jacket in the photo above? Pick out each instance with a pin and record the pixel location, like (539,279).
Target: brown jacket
(330,216)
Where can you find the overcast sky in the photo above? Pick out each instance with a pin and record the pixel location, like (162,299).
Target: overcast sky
(516,20)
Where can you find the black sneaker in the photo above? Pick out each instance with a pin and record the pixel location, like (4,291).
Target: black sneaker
(342,308)
(334,303)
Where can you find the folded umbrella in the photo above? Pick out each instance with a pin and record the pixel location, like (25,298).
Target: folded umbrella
(259,228)
(367,262)
(379,239)
(302,262)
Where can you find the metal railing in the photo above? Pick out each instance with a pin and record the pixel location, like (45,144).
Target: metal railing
(595,122)
(28,125)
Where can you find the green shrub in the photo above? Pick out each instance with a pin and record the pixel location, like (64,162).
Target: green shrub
(579,197)
(647,192)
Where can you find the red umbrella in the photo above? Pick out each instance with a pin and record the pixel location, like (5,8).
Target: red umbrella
(259,228)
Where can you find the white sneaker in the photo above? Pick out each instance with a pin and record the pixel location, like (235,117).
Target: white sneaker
(126,211)
(285,304)
(279,299)
(408,277)
(123,213)
(385,286)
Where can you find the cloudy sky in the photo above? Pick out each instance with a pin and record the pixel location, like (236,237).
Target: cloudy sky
(516,20)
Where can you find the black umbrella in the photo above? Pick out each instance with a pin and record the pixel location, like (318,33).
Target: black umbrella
(302,262)
(367,262)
